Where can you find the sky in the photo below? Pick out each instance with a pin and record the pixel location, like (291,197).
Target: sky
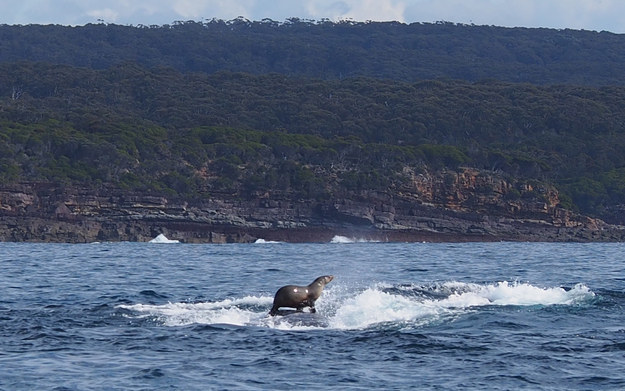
(598,15)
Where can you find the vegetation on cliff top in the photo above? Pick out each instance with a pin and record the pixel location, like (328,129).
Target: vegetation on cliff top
(326,50)
(239,134)
(312,110)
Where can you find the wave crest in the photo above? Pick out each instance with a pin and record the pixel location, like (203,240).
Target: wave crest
(347,309)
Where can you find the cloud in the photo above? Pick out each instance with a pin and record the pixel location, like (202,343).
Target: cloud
(105,14)
(577,14)
(359,10)
(208,9)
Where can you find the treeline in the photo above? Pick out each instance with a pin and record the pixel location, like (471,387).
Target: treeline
(327,50)
(196,134)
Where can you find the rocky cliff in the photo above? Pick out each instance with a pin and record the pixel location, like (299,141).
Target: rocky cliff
(463,205)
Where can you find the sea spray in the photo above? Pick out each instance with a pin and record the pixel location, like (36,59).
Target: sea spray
(339,239)
(345,308)
(240,312)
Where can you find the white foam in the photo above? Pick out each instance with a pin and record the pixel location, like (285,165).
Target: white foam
(339,239)
(506,293)
(263,241)
(373,306)
(238,312)
(343,308)
(163,239)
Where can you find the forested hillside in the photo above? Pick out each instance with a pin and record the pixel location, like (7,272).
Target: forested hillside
(394,126)
(326,50)
(234,133)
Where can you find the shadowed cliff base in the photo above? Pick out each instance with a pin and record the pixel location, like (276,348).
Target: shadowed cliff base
(91,230)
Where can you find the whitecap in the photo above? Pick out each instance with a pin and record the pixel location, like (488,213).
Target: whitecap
(163,239)
(344,308)
(506,293)
(339,239)
(239,312)
(263,241)
(373,306)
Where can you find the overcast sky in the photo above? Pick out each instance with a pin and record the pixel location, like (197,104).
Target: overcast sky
(596,15)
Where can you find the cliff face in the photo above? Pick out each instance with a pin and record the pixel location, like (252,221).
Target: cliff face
(467,205)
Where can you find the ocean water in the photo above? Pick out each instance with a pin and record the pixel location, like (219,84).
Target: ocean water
(163,316)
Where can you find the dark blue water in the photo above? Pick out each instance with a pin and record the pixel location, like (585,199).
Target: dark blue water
(139,316)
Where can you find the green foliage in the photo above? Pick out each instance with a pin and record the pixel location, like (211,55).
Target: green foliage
(596,193)
(9,172)
(158,130)
(441,156)
(130,181)
(323,50)
(567,202)
(586,193)
(177,183)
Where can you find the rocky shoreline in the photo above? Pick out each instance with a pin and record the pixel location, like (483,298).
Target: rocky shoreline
(35,212)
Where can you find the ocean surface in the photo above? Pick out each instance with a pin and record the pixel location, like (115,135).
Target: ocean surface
(167,316)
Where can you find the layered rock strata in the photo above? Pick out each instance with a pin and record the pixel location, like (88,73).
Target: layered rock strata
(467,205)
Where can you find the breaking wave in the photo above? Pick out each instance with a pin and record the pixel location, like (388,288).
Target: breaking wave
(342,308)
(263,241)
(339,239)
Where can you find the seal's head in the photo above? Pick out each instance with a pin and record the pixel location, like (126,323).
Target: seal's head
(323,280)
(316,287)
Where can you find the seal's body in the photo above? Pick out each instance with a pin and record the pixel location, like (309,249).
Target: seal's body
(298,297)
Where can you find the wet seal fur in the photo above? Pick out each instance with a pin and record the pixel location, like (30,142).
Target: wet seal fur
(298,297)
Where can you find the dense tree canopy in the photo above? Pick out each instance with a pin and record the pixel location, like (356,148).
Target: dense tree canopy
(311,109)
(199,134)
(326,50)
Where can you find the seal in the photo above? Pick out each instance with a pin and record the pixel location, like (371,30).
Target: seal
(298,297)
